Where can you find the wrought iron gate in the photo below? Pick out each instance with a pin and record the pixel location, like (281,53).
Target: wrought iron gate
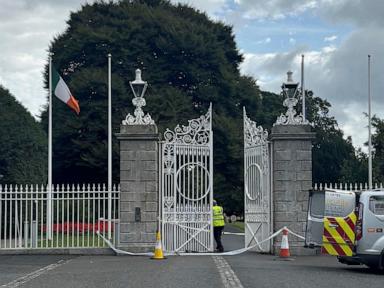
(186,185)
(257,194)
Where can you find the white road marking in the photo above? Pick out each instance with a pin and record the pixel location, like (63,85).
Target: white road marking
(228,276)
(24,279)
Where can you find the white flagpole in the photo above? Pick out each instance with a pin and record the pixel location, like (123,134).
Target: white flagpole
(302,85)
(49,188)
(369,126)
(109,148)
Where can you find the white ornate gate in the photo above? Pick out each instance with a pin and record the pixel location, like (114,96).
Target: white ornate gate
(186,185)
(257,194)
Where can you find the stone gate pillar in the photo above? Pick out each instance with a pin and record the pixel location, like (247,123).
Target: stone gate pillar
(291,139)
(292,179)
(139,192)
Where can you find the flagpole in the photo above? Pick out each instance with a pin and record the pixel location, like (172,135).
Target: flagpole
(49,188)
(369,126)
(109,148)
(302,85)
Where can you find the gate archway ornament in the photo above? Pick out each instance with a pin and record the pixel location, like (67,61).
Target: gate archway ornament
(198,132)
(186,186)
(257,188)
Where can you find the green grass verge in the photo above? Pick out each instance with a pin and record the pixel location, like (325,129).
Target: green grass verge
(238,225)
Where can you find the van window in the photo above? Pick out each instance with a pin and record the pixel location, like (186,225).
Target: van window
(339,204)
(317,204)
(376,204)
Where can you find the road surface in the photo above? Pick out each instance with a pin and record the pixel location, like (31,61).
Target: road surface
(245,270)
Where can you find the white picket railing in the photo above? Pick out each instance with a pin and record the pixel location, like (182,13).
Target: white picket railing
(78,214)
(346,186)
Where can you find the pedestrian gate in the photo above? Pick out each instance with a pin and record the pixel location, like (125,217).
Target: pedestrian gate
(186,185)
(257,194)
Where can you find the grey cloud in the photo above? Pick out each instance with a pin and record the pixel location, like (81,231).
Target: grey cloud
(270,69)
(27,27)
(347,66)
(358,12)
(261,9)
(336,74)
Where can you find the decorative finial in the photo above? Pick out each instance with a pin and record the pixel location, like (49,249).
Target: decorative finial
(289,77)
(138,79)
(290,91)
(138,87)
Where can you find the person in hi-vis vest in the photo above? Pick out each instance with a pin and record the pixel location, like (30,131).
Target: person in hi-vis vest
(218,225)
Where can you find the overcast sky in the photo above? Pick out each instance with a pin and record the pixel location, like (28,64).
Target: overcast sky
(335,35)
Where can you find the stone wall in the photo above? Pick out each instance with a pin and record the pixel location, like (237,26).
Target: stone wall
(292,180)
(139,187)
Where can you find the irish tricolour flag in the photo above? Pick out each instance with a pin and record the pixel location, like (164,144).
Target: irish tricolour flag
(61,90)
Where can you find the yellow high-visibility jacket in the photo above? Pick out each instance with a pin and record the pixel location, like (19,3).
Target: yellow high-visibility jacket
(218,216)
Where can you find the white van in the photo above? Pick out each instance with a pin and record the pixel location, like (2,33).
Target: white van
(349,225)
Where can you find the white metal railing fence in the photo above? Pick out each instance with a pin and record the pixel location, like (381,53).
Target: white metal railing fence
(78,214)
(346,186)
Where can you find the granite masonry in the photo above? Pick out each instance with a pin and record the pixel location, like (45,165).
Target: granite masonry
(292,180)
(139,187)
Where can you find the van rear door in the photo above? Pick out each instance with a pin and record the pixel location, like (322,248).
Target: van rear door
(339,223)
(315,219)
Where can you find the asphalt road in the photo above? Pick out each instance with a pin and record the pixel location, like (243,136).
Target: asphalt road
(245,270)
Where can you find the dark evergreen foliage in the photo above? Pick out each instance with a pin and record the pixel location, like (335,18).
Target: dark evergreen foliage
(23,149)
(189,61)
(378,153)
(330,149)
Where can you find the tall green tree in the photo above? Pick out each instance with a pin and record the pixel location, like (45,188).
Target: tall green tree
(189,62)
(331,151)
(23,149)
(355,169)
(378,150)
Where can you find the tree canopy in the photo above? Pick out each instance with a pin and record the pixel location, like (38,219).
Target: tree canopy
(23,149)
(331,152)
(188,60)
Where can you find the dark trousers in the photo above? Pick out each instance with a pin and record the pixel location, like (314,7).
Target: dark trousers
(217,232)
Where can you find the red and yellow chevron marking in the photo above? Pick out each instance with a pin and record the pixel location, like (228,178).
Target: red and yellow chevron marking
(339,235)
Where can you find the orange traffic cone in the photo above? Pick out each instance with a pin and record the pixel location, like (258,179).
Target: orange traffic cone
(284,248)
(158,255)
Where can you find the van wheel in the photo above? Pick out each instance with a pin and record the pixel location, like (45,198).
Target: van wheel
(380,264)
(375,268)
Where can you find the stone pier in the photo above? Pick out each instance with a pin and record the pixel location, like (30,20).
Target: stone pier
(139,187)
(292,180)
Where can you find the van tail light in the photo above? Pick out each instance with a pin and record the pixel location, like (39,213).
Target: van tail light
(359,223)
